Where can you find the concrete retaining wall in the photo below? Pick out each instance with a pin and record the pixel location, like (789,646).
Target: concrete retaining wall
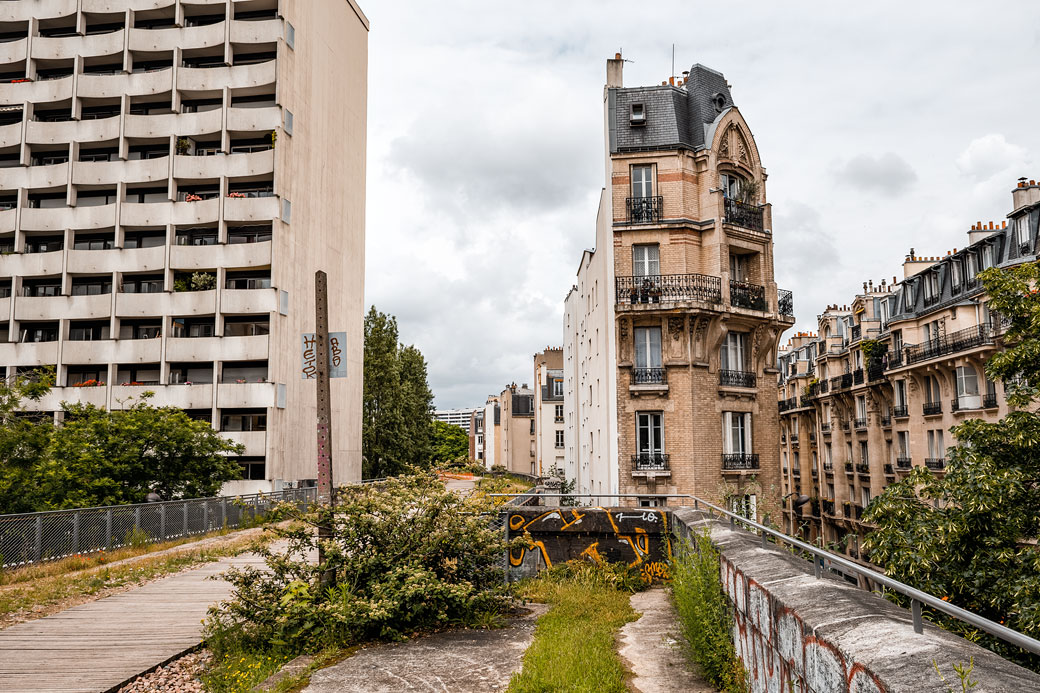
(798,633)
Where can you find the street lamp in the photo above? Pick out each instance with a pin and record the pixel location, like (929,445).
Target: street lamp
(798,502)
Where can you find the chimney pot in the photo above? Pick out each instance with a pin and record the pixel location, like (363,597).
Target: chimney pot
(617,56)
(1032,182)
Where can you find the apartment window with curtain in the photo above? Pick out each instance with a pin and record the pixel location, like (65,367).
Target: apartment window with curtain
(738,267)
(864,456)
(936,446)
(734,352)
(649,436)
(900,393)
(736,439)
(646,260)
(642,181)
(932,389)
(648,355)
(861,408)
(903,448)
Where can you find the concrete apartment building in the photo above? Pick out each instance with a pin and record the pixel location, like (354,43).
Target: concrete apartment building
(509,430)
(876,390)
(456,417)
(172,174)
(550,445)
(672,326)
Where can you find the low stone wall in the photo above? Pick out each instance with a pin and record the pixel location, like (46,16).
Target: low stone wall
(795,632)
(640,537)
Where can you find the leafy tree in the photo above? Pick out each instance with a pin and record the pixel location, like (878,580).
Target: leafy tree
(397,406)
(969,536)
(450,442)
(23,440)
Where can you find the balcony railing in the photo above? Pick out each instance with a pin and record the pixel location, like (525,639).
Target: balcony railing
(965,402)
(876,372)
(846,380)
(785,302)
(857,332)
(649,376)
(650,462)
(961,340)
(737,379)
(744,215)
(739,461)
(863,468)
(849,468)
(858,510)
(644,210)
(886,421)
(857,376)
(889,471)
(828,506)
(744,295)
(936,463)
(845,424)
(860,424)
(932,408)
(989,401)
(825,428)
(828,467)
(668,288)
(904,463)
(789,403)
(901,412)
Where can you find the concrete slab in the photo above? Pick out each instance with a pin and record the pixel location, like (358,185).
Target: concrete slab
(650,648)
(460,661)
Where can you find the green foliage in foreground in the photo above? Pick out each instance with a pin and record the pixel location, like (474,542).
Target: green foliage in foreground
(705,613)
(99,457)
(573,648)
(969,537)
(407,556)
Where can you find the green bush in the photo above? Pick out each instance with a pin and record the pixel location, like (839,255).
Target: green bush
(705,613)
(406,556)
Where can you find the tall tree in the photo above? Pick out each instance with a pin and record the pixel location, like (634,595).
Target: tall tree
(450,443)
(397,407)
(970,536)
(23,441)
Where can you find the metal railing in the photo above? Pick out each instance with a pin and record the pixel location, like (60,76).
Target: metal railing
(859,424)
(961,340)
(901,411)
(667,288)
(737,461)
(649,376)
(644,210)
(824,560)
(931,408)
(904,463)
(45,536)
(785,302)
(936,463)
(650,461)
(744,295)
(744,215)
(737,378)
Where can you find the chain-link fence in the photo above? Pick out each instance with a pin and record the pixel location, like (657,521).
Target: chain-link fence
(34,537)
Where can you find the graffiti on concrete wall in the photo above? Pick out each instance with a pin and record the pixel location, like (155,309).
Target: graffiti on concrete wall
(638,537)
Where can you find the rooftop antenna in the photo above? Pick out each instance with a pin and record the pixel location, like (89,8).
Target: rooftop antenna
(673,61)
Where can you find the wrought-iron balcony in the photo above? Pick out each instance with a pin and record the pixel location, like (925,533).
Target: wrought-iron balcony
(828,506)
(828,467)
(644,210)
(825,429)
(785,302)
(886,422)
(966,402)
(844,424)
(936,463)
(860,424)
(849,468)
(857,332)
(815,472)
(737,379)
(650,462)
(740,461)
(889,471)
(876,372)
(796,472)
(989,401)
(857,376)
(744,295)
(901,412)
(904,463)
(846,380)
(667,288)
(863,468)
(794,437)
(787,404)
(858,510)
(951,343)
(649,376)
(744,215)
(932,408)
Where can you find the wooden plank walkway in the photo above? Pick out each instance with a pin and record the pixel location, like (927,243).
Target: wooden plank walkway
(98,646)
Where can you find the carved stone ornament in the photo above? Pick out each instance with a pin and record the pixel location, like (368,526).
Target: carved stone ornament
(623,329)
(724,144)
(675,326)
(742,154)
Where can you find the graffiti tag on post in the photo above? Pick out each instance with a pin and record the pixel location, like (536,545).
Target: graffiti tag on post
(337,357)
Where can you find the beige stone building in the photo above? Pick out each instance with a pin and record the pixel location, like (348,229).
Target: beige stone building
(509,430)
(672,327)
(876,390)
(550,445)
(171,175)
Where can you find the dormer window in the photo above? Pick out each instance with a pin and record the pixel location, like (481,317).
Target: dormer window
(637,115)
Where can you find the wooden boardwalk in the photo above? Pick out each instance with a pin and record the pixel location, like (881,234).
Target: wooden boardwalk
(100,645)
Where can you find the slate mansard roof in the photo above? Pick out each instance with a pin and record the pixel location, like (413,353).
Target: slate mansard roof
(675,117)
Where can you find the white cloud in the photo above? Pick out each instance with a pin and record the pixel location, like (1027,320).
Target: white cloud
(888,174)
(989,155)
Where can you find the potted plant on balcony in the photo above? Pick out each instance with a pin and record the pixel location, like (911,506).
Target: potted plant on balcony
(633,294)
(655,294)
(274,137)
(192,197)
(183,145)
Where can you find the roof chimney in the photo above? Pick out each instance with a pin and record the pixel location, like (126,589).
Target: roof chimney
(614,69)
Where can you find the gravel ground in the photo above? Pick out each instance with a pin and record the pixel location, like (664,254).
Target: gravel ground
(179,676)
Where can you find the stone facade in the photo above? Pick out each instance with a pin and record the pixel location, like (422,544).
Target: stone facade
(678,301)
(876,390)
(550,445)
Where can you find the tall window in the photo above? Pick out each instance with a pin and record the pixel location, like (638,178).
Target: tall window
(828,457)
(738,267)
(559,439)
(646,260)
(932,389)
(903,437)
(557,387)
(968,388)
(736,433)
(745,505)
(559,413)
(642,181)
(900,393)
(733,356)
(648,347)
(731,185)
(936,448)
(649,433)
(864,457)
(861,407)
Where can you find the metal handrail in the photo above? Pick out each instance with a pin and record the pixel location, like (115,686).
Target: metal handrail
(917,597)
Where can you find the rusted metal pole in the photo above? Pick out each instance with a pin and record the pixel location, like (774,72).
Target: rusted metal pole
(324,397)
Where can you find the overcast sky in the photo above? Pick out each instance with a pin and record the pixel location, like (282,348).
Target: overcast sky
(882,125)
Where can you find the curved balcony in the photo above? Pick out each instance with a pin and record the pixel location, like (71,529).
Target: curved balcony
(99,217)
(162,213)
(110,6)
(98,396)
(251,208)
(37,92)
(233,77)
(10,135)
(185,124)
(247,301)
(251,164)
(255,442)
(51,176)
(62,132)
(195,396)
(112,172)
(29,354)
(177,37)
(30,264)
(34,308)
(254,119)
(194,349)
(235,395)
(41,9)
(135,84)
(193,257)
(7,220)
(46,48)
(14,51)
(265,31)
(116,260)
(111,351)
(166,303)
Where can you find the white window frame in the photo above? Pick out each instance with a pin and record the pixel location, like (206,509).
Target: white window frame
(642,180)
(647,347)
(733,354)
(736,433)
(967,379)
(646,260)
(653,423)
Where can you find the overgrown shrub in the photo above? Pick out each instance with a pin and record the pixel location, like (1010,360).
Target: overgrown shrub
(705,613)
(406,556)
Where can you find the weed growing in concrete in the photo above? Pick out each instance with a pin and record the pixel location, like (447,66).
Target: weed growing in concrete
(963,673)
(705,613)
